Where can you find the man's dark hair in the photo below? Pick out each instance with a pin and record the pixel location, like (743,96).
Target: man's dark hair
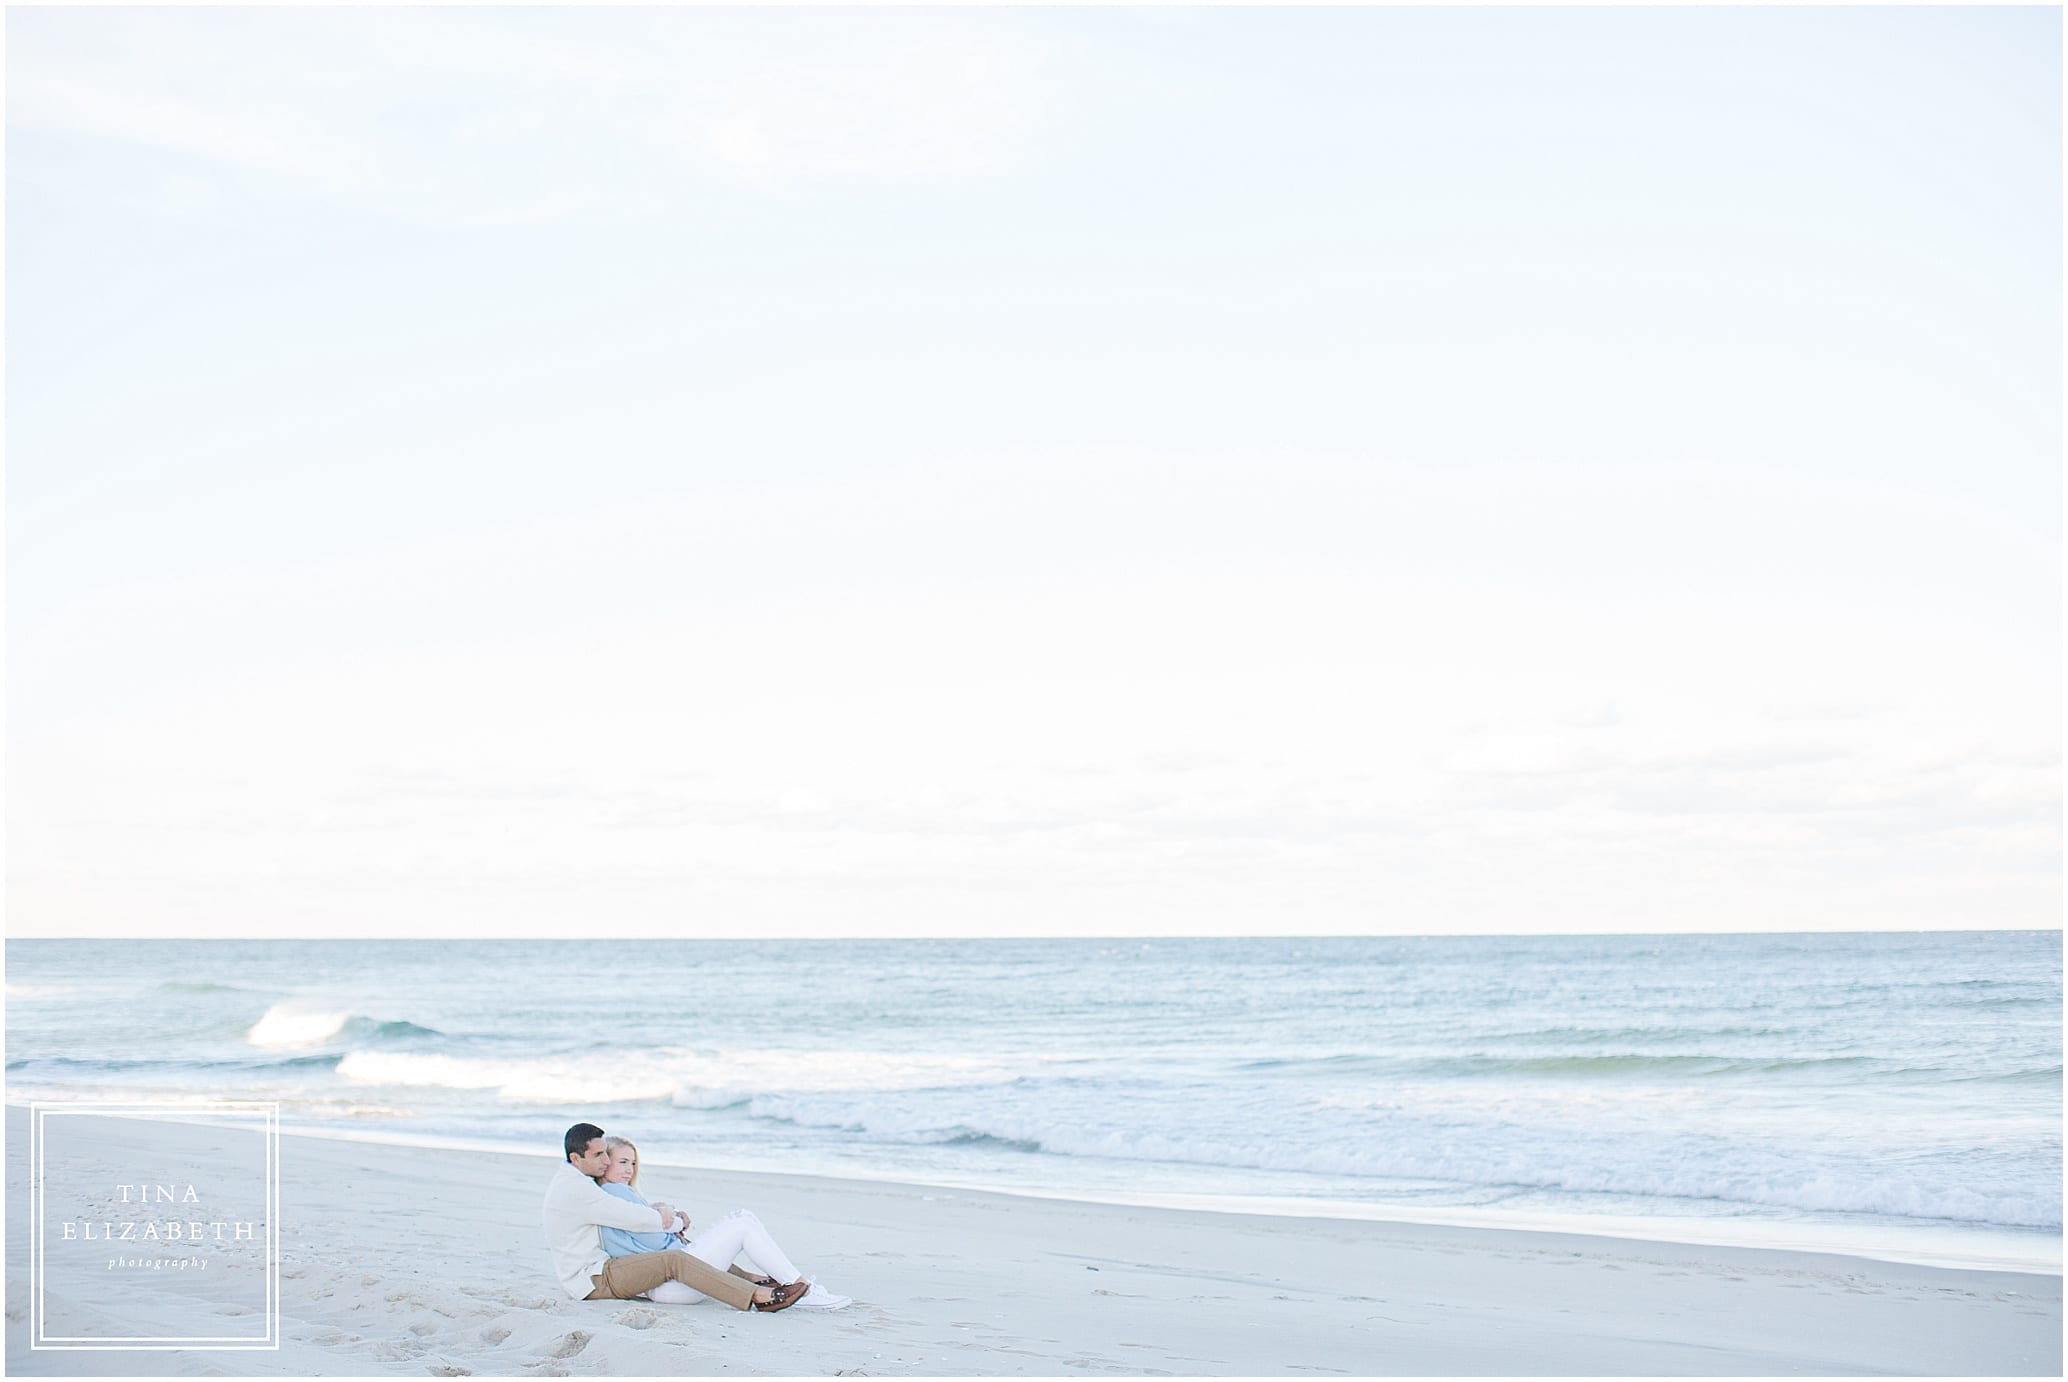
(580,1136)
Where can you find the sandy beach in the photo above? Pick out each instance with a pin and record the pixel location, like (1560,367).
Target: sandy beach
(419,1262)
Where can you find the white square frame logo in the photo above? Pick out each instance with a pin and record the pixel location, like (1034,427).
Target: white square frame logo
(39,1113)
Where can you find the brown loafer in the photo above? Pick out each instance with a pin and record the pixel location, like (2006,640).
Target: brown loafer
(785,1297)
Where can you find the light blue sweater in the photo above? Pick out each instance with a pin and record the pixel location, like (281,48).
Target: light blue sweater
(620,1242)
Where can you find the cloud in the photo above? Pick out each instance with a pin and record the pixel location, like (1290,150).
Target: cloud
(484,116)
(869,96)
(1527,755)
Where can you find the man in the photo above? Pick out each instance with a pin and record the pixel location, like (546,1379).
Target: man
(576,1207)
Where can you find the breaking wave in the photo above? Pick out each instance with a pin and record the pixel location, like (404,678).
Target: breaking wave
(291,1024)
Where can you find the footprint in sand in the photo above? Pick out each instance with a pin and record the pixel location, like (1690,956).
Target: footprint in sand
(294,1271)
(369,1281)
(639,1319)
(451,1370)
(495,1335)
(569,1346)
(530,1302)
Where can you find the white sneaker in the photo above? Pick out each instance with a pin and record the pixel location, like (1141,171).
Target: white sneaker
(819,1298)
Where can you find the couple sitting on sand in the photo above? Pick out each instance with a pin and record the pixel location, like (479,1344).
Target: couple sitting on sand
(609,1243)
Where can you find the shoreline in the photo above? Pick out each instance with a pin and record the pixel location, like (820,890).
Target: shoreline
(419,1264)
(1970,1247)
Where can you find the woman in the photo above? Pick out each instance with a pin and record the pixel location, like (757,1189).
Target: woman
(738,1232)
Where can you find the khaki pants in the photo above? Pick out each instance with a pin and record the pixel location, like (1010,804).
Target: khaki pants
(637,1273)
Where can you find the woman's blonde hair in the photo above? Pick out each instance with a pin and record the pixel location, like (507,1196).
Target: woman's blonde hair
(611,1144)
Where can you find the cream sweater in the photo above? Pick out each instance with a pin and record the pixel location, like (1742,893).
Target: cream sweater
(575,1208)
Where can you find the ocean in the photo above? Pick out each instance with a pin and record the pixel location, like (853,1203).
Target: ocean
(1892,1094)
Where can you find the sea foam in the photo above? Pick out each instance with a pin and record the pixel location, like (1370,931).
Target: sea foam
(288,1024)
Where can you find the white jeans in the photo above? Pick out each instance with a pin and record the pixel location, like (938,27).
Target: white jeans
(717,1246)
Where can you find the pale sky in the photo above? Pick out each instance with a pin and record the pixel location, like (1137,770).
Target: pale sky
(1033,471)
